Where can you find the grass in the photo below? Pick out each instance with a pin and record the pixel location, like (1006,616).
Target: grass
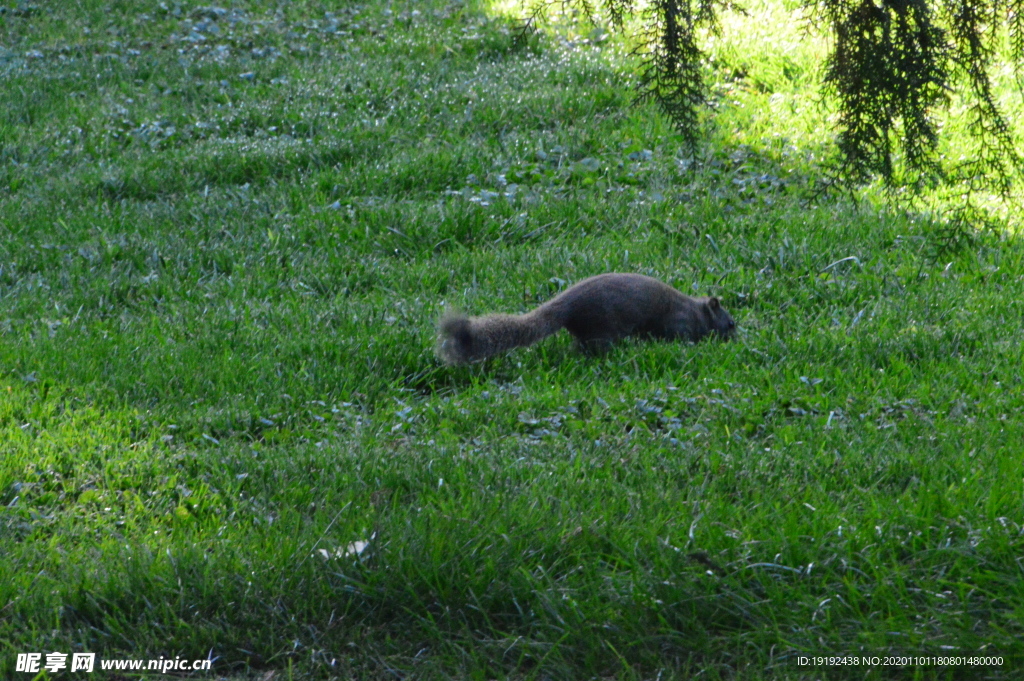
(225,238)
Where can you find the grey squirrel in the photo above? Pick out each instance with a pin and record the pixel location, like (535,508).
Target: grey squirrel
(597,311)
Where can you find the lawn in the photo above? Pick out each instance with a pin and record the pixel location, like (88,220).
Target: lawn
(226,236)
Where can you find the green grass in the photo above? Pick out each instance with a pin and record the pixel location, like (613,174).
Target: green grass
(221,262)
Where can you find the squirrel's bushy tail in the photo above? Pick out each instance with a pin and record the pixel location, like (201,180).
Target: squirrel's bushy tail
(465,339)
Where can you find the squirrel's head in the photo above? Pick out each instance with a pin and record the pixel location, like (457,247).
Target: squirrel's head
(699,319)
(720,321)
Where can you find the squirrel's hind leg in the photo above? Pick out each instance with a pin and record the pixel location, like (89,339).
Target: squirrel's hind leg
(594,345)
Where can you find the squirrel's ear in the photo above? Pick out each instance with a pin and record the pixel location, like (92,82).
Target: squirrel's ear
(713,303)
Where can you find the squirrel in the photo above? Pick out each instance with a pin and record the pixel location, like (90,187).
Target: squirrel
(597,311)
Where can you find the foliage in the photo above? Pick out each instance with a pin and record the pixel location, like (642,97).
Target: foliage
(891,66)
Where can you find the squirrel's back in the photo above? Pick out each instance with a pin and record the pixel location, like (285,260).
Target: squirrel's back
(596,311)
